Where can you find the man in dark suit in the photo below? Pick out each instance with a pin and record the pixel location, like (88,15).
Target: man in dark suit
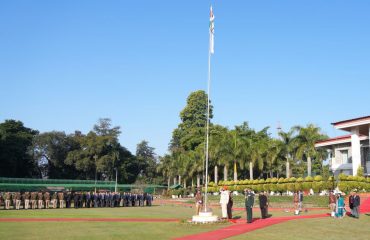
(262,197)
(356,204)
(249,202)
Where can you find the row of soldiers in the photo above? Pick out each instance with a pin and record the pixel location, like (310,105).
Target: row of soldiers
(41,200)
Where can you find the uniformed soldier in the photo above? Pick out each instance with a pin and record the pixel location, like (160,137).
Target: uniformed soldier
(47,199)
(40,200)
(54,199)
(7,200)
(61,199)
(96,200)
(26,200)
(2,199)
(33,200)
(249,202)
(18,199)
(75,200)
(88,198)
(68,199)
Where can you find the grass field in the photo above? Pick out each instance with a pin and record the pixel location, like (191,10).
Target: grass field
(164,230)
(314,229)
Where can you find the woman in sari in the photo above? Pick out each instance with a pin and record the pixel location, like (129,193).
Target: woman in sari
(340,207)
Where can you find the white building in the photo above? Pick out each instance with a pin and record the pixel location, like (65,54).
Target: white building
(347,153)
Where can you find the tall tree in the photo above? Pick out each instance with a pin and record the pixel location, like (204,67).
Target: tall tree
(15,146)
(147,160)
(50,149)
(191,131)
(306,139)
(287,149)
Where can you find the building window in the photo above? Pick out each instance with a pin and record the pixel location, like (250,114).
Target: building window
(345,158)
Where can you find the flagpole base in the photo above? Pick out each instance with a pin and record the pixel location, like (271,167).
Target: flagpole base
(205,217)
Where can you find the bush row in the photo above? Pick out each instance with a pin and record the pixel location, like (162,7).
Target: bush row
(317,184)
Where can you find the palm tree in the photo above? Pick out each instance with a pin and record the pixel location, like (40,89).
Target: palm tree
(165,168)
(217,153)
(258,150)
(273,155)
(306,139)
(237,143)
(287,149)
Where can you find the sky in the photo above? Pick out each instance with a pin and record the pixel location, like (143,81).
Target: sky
(65,64)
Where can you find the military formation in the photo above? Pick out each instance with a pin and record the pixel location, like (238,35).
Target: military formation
(46,200)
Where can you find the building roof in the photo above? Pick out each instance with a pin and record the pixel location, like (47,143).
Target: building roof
(351,120)
(337,140)
(362,123)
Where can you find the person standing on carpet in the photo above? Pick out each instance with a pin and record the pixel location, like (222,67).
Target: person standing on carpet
(230,206)
(332,201)
(249,202)
(340,207)
(224,200)
(356,204)
(263,204)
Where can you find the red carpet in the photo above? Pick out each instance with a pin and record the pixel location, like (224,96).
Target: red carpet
(241,227)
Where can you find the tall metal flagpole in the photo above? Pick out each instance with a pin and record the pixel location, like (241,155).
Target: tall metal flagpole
(207,125)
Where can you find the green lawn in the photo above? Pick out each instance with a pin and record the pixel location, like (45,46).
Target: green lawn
(102,230)
(98,230)
(158,230)
(314,229)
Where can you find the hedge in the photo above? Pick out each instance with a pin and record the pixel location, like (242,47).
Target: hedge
(317,184)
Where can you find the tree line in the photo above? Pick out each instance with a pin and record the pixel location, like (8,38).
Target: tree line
(240,152)
(24,152)
(235,153)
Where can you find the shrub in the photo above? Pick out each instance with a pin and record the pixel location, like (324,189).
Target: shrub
(299,180)
(342,177)
(308,179)
(298,186)
(281,187)
(360,172)
(266,187)
(274,180)
(317,178)
(317,186)
(290,187)
(274,187)
(306,186)
(292,180)
(343,186)
(268,180)
(281,180)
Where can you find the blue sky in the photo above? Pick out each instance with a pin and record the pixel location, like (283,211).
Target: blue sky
(65,64)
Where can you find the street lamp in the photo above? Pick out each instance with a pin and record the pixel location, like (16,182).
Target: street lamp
(115,189)
(95,157)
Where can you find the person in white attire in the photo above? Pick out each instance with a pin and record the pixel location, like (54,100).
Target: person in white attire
(224,200)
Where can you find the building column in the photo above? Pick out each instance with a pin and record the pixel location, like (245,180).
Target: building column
(356,150)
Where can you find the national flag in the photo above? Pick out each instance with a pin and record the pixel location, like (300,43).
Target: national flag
(211,32)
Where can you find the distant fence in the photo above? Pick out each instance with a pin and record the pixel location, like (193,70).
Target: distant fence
(32,184)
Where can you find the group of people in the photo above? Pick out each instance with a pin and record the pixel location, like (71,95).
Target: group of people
(336,203)
(46,200)
(226,202)
(338,207)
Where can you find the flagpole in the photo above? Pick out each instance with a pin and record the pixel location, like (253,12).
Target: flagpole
(207,125)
